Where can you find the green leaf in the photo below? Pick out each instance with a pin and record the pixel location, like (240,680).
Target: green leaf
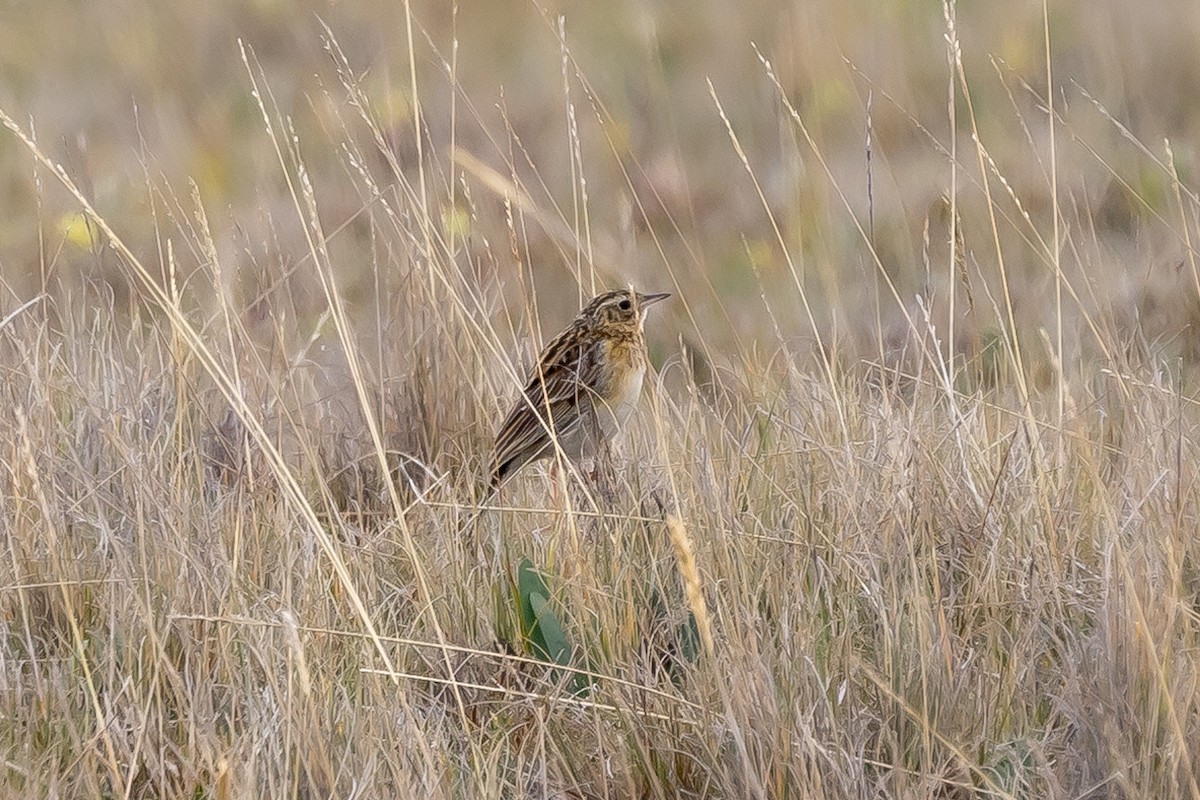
(531,621)
(529,583)
(689,639)
(549,639)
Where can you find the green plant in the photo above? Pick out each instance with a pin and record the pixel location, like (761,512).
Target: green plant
(527,622)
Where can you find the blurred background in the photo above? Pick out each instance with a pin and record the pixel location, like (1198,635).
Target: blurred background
(566,147)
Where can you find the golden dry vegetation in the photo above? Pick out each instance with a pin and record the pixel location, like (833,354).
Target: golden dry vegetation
(910,506)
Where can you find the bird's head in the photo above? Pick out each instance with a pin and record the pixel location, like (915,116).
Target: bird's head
(621,308)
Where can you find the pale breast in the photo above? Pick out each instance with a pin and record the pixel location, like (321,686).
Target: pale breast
(625,386)
(625,398)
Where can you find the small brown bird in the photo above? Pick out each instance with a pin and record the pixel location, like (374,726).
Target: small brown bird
(584,387)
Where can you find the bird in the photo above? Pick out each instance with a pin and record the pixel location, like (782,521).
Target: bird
(583,388)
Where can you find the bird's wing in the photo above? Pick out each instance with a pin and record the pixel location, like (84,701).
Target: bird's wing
(555,393)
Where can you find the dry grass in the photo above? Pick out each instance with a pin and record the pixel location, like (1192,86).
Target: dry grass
(909,511)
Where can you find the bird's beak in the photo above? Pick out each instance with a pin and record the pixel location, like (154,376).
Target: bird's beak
(645,300)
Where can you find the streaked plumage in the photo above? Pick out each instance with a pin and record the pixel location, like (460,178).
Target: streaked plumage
(584,387)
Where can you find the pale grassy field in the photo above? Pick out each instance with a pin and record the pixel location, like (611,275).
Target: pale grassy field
(910,506)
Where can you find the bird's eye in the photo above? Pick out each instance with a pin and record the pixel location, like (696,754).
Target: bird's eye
(624,305)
